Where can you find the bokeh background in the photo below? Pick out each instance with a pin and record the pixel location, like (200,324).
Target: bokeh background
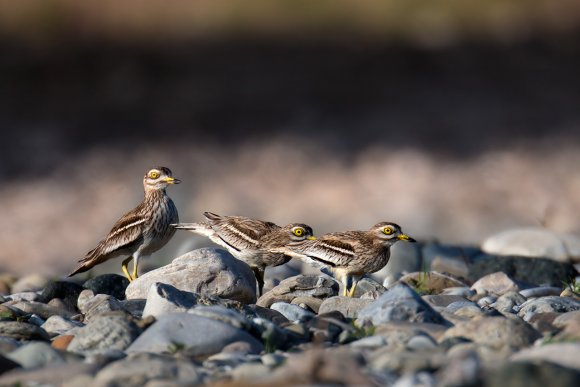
(456,119)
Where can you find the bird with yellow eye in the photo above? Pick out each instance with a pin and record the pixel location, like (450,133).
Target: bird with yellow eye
(250,240)
(140,232)
(350,254)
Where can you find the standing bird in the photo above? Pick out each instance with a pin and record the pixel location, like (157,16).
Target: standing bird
(140,232)
(250,240)
(351,254)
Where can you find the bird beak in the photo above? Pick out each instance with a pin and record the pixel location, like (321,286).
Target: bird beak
(171,180)
(311,238)
(406,238)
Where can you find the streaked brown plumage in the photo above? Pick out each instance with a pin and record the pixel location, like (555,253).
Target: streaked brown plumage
(140,232)
(350,254)
(250,240)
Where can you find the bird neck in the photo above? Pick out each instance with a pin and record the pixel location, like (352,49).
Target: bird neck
(154,193)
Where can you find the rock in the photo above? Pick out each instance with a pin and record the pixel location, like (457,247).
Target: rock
(400,303)
(405,258)
(292,312)
(36,355)
(250,373)
(544,323)
(466,309)
(57,325)
(66,291)
(24,296)
(541,291)
(546,305)
(29,283)
(112,284)
(563,354)
(430,282)
(534,242)
(7,364)
(223,314)
(113,331)
(207,271)
(163,298)
(8,313)
(366,285)
(495,332)
(300,286)
(463,368)
(532,374)
(195,335)
(443,300)
(139,368)
(268,314)
(569,323)
(537,271)
(327,327)
(507,302)
(6,282)
(8,344)
(42,310)
(374,341)
(349,307)
(421,343)
(398,334)
(462,291)
(495,284)
(62,342)
(310,303)
(275,275)
(91,305)
(337,366)
(56,375)
(406,362)
(452,260)
(419,379)
(22,331)
(134,307)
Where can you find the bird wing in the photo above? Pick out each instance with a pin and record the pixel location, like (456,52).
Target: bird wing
(126,232)
(244,230)
(332,250)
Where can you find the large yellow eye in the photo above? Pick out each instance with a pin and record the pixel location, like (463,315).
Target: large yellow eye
(153,175)
(298,232)
(388,230)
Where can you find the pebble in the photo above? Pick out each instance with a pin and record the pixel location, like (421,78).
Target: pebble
(495,284)
(300,286)
(293,312)
(349,307)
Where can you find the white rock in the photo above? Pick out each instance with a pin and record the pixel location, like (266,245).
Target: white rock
(534,242)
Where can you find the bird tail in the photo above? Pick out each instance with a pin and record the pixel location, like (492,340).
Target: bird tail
(196,228)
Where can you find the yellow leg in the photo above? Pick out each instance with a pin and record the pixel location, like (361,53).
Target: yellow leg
(353,289)
(125,268)
(135,269)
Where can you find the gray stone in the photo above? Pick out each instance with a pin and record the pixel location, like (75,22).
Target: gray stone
(111,284)
(29,283)
(374,341)
(55,375)
(547,305)
(57,325)
(447,259)
(405,258)
(495,284)
(400,303)
(419,379)
(223,314)
(7,365)
(487,301)
(92,306)
(366,285)
(206,271)
(24,296)
(36,355)
(113,331)
(140,368)
(430,282)
(22,331)
(310,303)
(405,362)
(349,307)
(541,291)
(134,307)
(250,372)
(443,299)
(300,286)
(564,354)
(534,242)
(163,299)
(463,368)
(421,343)
(495,332)
(8,344)
(42,310)
(462,291)
(507,302)
(195,335)
(292,312)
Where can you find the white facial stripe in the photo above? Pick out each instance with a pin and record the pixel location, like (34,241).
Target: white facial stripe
(241,234)
(340,250)
(128,226)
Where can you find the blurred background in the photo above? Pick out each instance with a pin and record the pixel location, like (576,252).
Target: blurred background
(455,119)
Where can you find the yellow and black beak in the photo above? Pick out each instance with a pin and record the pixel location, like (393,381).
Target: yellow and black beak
(406,238)
(171,180)
(311,238)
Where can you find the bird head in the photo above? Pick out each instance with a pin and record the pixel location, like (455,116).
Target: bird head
(159,178)
(299,232)
(390,233)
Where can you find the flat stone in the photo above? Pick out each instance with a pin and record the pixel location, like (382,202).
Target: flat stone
(400,303)
(430,282)
(24,296)
(22,331)
(534,242)
(163,299)
(43,310)
(206,271)
(311,303)
(564,354)
(300,286)
(495,284)
(55,375)
(112,284)
(62,342)
(527,374)
(139,368)
(58,325)
(541,291)
(495,332)
(506,302)
(196,335)
(442,299)
(366,285)
(66,291)
(7,365)
(29,283)
(452,260)
(349,307)
(36,355)
(113,331)
(292,312)
(547,305)
(405,258)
